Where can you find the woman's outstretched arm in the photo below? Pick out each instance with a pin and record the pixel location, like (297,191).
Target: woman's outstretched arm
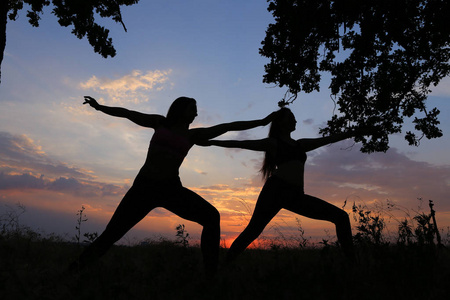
(203,134)
(145,120)
(314,143)
(266,144)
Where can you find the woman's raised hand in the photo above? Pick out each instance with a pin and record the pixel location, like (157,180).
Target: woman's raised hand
(91,101)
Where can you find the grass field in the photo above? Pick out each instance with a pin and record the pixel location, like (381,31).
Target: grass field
(412,266)
(35,269)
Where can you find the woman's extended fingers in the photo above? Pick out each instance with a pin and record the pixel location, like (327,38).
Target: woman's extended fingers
(88,99)
(91,101)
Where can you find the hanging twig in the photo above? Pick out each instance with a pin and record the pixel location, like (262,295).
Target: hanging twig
(287,100)
(119,18)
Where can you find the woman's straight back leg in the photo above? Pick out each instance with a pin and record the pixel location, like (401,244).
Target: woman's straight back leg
(315,208)
(135,205)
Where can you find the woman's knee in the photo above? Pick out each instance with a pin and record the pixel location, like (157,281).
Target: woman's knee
(342,217)
(211,218)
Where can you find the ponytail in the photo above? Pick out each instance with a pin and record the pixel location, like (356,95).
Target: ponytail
(269,165)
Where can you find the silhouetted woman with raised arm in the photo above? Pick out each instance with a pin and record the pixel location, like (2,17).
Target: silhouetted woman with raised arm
(157,183)
(283,169)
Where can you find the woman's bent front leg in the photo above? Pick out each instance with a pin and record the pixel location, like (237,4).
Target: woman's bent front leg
(192,207)
(266,208)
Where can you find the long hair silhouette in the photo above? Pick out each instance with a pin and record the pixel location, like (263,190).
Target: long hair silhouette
(283,169)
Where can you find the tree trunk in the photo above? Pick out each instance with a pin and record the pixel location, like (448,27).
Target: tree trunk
(4,5)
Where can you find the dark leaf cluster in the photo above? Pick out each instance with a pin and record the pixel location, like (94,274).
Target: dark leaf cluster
(81,15)
(382,55)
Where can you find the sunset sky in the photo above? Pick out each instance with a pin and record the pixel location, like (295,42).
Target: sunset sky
(57,155)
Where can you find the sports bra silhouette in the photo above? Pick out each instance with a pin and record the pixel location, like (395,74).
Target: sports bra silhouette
(169,141)
(287,152)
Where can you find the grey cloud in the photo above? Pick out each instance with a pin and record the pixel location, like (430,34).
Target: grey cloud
(308,122)
(378,175)
(21,181)
(18,148)
(18,152)
(62,184)
(23,165)
(73,186)
(112,190)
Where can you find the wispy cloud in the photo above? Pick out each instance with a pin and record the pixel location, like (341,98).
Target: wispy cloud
(130,86)
(25,165)
(20,154)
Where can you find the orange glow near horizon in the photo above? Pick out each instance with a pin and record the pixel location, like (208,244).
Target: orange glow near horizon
(234,218)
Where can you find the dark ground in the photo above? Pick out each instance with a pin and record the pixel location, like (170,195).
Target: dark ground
(36,269)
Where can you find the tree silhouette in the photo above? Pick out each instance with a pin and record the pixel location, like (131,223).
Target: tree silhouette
(77,13)
(382,56)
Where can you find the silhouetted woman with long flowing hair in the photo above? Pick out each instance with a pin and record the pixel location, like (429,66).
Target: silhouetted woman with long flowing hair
(158,184)
(283,169)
